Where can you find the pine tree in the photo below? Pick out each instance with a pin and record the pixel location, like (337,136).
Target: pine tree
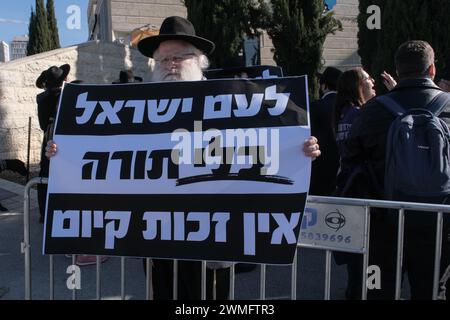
(227,22)
(402,20)
(40,32)
(368,38)
(298,30)
(31,46)
(386,46)
(440,31)
(52,25)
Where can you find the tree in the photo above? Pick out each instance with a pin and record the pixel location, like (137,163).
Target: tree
(402,21)
(439,10)
(368,38)
(298,30)
(52,26)
(39,34)
(31,34)
(227,22)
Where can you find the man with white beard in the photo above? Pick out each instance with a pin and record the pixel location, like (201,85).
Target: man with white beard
(180,61)
(180,55)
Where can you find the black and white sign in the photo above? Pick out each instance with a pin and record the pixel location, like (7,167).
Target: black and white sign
(206,170)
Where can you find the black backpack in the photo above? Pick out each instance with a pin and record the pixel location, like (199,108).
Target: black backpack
(417,150)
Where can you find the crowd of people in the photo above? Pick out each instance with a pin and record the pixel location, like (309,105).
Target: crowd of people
(351,125)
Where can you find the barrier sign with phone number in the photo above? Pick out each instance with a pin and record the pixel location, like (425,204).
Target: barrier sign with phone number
(333,227)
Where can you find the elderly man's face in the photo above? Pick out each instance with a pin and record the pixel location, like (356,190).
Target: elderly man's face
(176,61)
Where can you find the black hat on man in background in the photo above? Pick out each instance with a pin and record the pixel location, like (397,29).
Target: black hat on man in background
(40,81)
(126,76)
(330,77)
(53,77)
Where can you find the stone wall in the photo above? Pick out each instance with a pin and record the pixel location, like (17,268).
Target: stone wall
(130,14)
(92,62)
(341,48)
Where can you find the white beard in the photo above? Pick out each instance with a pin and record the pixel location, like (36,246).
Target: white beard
(186,71)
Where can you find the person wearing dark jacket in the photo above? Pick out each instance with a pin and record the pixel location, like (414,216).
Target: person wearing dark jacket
(47,103)
(52,81)
(324,168)
(355,88)
(367,144)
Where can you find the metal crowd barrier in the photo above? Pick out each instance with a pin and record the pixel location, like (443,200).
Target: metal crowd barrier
(366,204)
(401,207)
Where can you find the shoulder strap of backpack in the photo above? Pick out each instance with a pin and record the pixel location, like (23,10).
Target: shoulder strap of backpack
(391,105)
(439,102)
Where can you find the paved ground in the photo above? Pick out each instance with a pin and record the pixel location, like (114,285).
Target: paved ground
(310,279)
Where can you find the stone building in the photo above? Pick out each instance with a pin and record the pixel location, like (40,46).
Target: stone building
(19,47)
(341,49)
(4,51)
(114,20)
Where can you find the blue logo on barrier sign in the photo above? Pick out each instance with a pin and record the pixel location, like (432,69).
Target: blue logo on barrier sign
(309,218)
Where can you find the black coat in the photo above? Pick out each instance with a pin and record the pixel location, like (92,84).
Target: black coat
(366,144)
(325,167)
(47,104)
(368,135)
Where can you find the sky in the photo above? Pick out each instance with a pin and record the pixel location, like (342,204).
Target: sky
(15,16)
(330,3)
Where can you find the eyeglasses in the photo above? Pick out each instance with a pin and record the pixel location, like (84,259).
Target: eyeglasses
(175,59)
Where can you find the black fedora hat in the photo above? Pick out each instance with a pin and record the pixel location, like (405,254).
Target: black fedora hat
(175,28)
(126,76)
(53,76)
(330,76)
(41,80)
